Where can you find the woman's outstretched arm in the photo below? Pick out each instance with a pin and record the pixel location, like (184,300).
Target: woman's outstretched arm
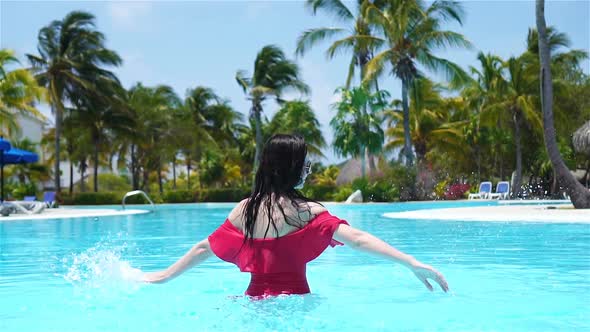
(364,241)
(198,253)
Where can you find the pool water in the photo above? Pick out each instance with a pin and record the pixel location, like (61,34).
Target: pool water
(78,275)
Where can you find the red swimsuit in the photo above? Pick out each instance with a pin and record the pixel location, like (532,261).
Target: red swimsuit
(277,265)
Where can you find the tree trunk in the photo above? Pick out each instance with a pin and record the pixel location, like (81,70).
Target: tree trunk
(82,172)
(95,157)
(372,165)
(174,172)
(144,184)
(406,112)
(363,162)
(518,177)
(134,173)
(501,166)
(554,186)
(71,178)
(70,153)
(478,162)
(257,110)
(188,173)
(58,115)
(160,185)
(579,195)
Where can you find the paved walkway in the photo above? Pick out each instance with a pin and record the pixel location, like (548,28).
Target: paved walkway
(61,213)
(560,213)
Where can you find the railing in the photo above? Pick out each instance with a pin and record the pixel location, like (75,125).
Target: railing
(137,192)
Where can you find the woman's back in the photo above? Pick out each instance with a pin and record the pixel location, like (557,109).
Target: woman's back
(287,216)
(277,262)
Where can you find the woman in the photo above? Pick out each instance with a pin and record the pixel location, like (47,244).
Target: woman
(275,232)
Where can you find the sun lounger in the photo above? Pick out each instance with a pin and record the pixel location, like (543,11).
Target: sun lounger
(24,207)
(485,188)
(502,190)
(49,198)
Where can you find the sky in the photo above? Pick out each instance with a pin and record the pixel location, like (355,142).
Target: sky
(186,44)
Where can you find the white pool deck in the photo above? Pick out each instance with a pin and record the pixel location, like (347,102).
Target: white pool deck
(64,213)
(559,213)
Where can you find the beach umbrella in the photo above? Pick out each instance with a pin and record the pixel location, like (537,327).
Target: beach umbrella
(581,139)
(10,156)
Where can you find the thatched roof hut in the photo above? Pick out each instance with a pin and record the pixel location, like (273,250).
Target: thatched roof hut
(351,169)
(581,139)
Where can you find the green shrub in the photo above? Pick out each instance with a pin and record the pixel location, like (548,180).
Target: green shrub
(381,189)
(320,192)
(223,194)
(396,184)
(90,198)
(404,180)
(441,188)
(342,193)
(19,191)
(107,182)
(179,196)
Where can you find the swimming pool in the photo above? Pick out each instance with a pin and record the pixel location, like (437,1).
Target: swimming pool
(74,275)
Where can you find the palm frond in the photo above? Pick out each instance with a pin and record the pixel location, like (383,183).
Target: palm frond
(334,7)
(311,37)
(243,81)
(377,65)
(451,71)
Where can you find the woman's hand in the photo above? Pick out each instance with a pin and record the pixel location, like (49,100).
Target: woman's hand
(155,277)
(424,272)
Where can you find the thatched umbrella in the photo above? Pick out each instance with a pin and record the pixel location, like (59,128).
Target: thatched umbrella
(581,139)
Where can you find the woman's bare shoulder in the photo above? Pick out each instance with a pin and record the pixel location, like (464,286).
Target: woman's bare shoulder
(309,210)
(316,208)
(236,215)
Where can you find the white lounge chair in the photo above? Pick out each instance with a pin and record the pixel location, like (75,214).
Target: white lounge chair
(24,207)
(502,190)
(485,188)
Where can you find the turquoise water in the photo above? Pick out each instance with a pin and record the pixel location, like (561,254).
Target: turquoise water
(78,275)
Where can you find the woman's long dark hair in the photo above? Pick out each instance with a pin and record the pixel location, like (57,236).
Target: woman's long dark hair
(279,171)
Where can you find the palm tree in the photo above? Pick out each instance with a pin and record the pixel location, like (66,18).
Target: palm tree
(478,94)
(565,67)
(199,104)
(514,104)
(153,109)
(357,124)
(359,40)
(184,141)
(102,120)
(18,93)
(298,117)
(70,62)
(412,32)
(430,122)
(580,196)
(273,75)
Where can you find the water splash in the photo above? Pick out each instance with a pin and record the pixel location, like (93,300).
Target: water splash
(101,266)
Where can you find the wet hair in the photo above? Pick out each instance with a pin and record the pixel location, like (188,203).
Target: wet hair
(280,170)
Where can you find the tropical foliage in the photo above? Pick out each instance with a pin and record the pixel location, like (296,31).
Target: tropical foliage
(273,75)
(18,93)
(460,125)
(70,64)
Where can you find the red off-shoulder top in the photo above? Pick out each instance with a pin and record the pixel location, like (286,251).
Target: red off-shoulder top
(277,265)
